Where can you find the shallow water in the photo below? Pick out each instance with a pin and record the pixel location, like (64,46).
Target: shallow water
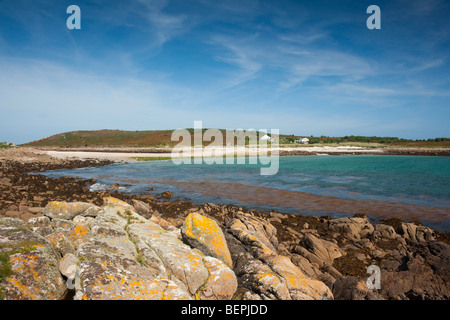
(408,187)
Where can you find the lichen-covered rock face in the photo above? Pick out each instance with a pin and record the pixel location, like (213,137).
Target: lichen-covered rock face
(29,264)
(116,255)
(221,283)
(204,234)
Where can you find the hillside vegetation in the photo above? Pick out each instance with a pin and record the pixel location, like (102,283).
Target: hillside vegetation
(162,138)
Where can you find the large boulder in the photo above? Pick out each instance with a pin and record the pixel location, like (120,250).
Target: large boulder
(352,228)
(68,210)
(326,251)
(205,234)
(415,233)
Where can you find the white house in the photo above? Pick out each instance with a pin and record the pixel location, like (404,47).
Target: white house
(265,138)
(304,141)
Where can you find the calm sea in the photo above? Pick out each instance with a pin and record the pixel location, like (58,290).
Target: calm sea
(408,187)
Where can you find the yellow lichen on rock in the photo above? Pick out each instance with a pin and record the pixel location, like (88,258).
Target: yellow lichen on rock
(114,202)
(205,234)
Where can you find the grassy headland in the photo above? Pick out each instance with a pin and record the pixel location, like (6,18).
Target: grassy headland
(162,139)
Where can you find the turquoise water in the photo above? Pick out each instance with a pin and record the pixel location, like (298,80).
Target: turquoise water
(411,180)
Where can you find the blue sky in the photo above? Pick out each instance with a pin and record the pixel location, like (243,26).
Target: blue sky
(303,67)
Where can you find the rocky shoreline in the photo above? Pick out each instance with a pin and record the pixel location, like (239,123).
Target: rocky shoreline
(122,246)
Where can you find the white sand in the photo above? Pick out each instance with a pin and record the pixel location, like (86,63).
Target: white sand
(216,151)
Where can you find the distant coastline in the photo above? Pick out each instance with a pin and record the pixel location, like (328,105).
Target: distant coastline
(131,153)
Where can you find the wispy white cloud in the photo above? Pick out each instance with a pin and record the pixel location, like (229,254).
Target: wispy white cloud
(238,55)
(164,25)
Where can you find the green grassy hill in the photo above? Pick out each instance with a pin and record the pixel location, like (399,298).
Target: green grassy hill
(106,138)
(162,138)
(112,138)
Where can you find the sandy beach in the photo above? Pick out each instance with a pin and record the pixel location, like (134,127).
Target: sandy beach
(131,154)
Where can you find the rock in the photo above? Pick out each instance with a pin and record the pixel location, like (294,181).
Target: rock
(221,283)
(352,228)
(13,214)
(114,186)
(184,264)
(423,273)
(326,251)
(23,208)
(129,257)
(204,234)
(25,216)
(383,231)
(352,288)
(61,243)
(297,284)
(36,210)
(141,207)
(68,265)
(41,225)
(414,233)
(256,232)
(167,194)
(68,210)
(295,233)
(331,271)
(32,272)
(305,266)
(114,202)
(260,270)
(408,231)
(166,225)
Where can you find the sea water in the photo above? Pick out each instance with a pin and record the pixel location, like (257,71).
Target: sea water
(415,187)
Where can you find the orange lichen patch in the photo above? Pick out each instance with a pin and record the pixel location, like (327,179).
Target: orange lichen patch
(126,288)
(194,260)
(54,238)
(206,231)
(33,277)
(80,231)
(24,292)
(60,205)
(78,235)
(25,263)
(201,223)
